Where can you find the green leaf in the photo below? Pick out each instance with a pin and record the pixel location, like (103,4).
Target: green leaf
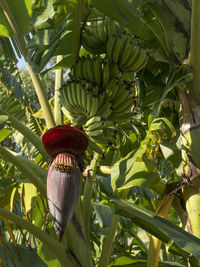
(172,151)
(120,169)
(167,122)
(160,227)
(61,39)
(43,15)
(125,13)
(134,262)
(104,184)
(3,120)
(47,255)
(65,63)
(28,257)
(21,10)
(104,214)
(4,133)
(133,171)
(174,17)
(38,210)
(30,192)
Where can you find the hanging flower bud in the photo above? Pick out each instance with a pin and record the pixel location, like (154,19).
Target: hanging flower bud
(66,146)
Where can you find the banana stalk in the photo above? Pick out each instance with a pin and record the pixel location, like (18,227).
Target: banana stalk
(58,84)
(154,245)
(191,157)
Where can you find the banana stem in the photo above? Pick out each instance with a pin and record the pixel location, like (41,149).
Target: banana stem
(195,51)
(58,84)
(87,197)
(155,243)
(55,246)
(35,78)
(108,242)
(192,201)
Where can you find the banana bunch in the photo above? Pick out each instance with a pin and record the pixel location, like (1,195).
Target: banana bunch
(99,131)
(78,101)
(126,52)
(94,70)
(96,33)
(122,101)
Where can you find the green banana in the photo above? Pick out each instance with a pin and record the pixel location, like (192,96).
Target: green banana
(94,126)
(110,88)
(134,55)
(101,97)
(89,103)
(114,91)
(99,140)
(84,65)
(118,49)
(94,106)
(84,100)
(90,70)
(98,132)
(78,95)
(80,69)
(92,121)
(69,94)
(125,106)
(143,64)
(74,94)
(95,90)
(106,113)
(137,62)
(98,70)
(101,31)
(120,117)
(114,72)
(105,110)
(68,114)
(128,47)
(105,75)
(110,47)
(120,98)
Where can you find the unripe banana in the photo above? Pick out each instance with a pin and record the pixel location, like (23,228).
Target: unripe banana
(105,75)
(96,34)
(94,126)
(99,139)
(127,52)
(133,56)
(92,121)
(94,107)
(98,70)
(119,48)
(95,133)
(136,62)
(90,70)
(124,107)
(110,47)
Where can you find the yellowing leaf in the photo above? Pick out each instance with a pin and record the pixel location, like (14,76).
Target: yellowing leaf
(30,191)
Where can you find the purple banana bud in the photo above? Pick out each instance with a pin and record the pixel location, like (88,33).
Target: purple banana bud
(66,146)
(63,190)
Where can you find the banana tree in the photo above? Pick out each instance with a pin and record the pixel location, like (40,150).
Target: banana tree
(127,76)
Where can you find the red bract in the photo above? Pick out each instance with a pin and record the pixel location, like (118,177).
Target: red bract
(64,138)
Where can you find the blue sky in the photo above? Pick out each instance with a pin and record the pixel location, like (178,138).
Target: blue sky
(21,63)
